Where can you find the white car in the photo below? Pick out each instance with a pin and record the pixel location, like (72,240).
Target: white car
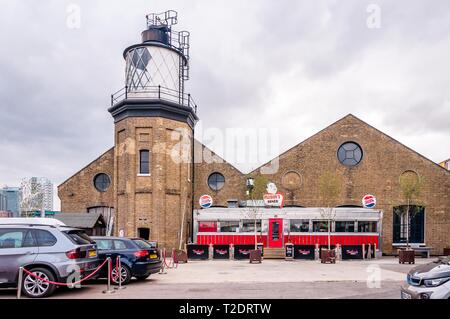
(430,281)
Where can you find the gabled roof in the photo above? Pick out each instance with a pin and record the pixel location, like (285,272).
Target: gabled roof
(81,220)
(103,154)
(219,157)
(350,116)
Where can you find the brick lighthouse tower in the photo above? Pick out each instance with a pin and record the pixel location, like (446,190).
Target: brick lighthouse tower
(154,121)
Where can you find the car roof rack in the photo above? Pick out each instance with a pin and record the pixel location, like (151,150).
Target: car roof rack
(30,224)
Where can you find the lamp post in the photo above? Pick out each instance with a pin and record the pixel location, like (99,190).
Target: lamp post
(250,185)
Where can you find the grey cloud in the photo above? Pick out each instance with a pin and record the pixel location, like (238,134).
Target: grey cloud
(55,82)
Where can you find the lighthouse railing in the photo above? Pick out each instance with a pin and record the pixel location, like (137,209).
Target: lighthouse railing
(153,93)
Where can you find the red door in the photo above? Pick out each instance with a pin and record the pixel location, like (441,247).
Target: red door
(275,232)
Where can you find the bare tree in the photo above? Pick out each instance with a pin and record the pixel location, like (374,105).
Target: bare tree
(330,189)
(411,186)
(255,192)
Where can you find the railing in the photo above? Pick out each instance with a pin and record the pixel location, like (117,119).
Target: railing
(154,93)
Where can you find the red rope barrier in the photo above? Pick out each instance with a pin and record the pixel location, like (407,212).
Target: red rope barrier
(170,265)
(165,260)
(62,283)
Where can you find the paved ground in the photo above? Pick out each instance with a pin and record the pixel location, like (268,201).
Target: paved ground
(272,279)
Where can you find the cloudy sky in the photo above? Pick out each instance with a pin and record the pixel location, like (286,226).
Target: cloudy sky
(291,67)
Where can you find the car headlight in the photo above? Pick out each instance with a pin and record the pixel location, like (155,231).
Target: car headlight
(435,282)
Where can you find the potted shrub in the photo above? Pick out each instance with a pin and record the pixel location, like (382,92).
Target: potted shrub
(255,256)
(406,255)
(255,189)
(328,256)
(330,189)
(410,186)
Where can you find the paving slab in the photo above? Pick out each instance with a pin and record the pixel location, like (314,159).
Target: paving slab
(380,278)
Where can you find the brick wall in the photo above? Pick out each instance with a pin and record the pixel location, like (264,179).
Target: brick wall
(161,200)
(378,173)
(78,193)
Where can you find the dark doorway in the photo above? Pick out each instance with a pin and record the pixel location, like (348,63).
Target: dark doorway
(144,233)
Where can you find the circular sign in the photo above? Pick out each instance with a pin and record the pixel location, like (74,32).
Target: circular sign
(271,188)
(205,201)
(369,201)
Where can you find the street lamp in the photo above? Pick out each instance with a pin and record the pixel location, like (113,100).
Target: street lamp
(250,185)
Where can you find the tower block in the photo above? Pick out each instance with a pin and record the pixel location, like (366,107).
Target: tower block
(154,126)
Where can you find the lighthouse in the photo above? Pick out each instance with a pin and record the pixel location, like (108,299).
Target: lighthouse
(154,120)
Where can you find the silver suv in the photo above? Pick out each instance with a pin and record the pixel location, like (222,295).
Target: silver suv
(53,252)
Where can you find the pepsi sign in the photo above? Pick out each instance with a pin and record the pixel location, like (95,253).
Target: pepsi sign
(369,201)
(205,201)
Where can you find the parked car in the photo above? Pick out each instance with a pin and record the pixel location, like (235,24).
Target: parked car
(49,250)
(430,281)
(137,257)
(152,243)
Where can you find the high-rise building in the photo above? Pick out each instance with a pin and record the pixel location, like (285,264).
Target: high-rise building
(2,201)
(10,200)
(37,194)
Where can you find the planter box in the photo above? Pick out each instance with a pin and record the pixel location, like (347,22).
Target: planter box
(328,256)
(180,256)
(255,256)
(406,256)
(446,251)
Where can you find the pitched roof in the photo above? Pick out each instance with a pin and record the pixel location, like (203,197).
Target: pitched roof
(103,154)
(81,220)
(352,117)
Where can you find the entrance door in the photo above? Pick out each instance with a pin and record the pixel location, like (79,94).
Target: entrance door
(275,232)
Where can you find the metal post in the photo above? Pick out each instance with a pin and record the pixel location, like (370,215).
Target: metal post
(19,283)
(120,275)
(159,92)
(126,92)
(162,254)
(108,289)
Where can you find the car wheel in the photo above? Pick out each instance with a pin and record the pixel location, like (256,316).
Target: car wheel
(125,274)
(36,288)
(142,278)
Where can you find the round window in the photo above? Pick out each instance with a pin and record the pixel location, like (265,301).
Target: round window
(350,154)
(102,182)
(216,181)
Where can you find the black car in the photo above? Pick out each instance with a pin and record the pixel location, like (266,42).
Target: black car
(138,258)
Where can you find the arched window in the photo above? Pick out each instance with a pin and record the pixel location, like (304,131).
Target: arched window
(416,224)
(144,162)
